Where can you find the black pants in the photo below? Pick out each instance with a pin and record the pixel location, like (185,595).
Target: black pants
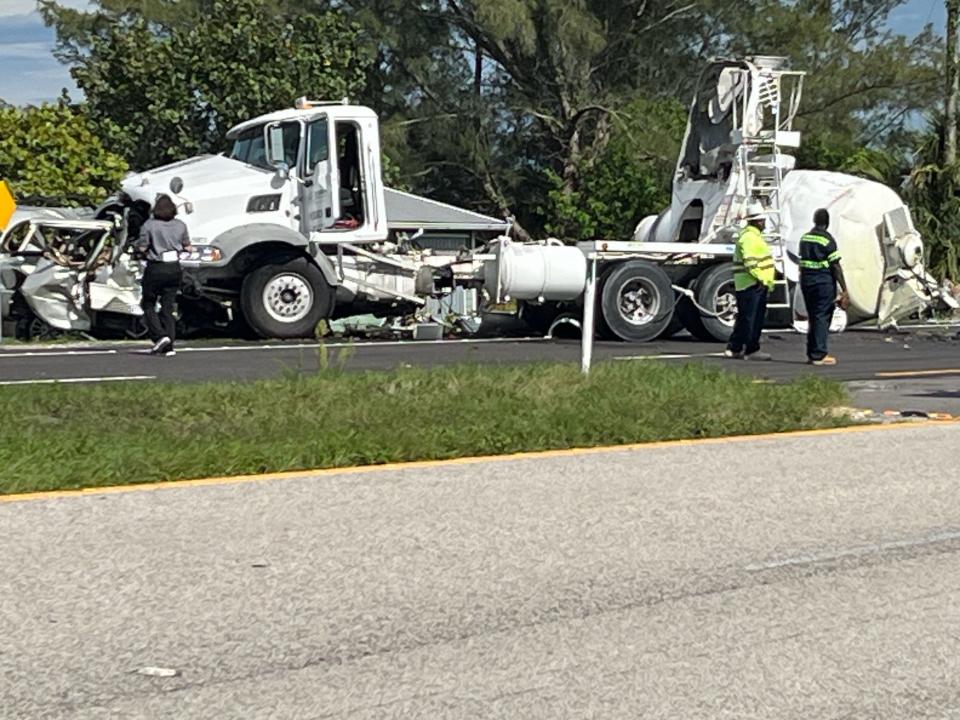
(751,312)
(820,295)
(160,281)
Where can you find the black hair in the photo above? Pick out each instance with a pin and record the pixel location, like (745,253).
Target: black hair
(821,218)
(164,209)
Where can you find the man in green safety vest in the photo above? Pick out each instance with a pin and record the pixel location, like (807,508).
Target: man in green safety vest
(754,273)
(820,273)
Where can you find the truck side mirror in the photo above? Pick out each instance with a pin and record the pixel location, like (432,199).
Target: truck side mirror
(273,141)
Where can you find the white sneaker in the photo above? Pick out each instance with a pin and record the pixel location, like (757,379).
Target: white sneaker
(161,345)
(759,356)
(728,353)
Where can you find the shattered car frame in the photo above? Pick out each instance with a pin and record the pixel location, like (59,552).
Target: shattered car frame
(69,275)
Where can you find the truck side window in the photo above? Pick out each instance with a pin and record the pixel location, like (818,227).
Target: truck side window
(318,145)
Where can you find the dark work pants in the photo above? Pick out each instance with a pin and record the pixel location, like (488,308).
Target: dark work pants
(820,295)
(751,312)
(160,281)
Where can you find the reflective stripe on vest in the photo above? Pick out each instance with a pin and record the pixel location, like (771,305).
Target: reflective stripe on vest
(753,262)
(817,239)
(815,264)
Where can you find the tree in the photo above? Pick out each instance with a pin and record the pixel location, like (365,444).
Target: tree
(557,75)
(171,85)
(52,152)
(630,179)
(953,82)
(533,109)
(933,193)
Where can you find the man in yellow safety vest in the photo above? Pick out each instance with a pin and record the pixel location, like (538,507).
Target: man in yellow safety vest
(754,273)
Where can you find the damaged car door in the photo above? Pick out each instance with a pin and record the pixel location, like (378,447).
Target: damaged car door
(114,285)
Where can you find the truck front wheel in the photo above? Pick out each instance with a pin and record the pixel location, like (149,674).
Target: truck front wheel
(286,300)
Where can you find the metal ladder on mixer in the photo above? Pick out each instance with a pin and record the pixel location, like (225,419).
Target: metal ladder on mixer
(761,169)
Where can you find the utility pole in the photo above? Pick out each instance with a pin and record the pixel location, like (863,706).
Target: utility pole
(953,83)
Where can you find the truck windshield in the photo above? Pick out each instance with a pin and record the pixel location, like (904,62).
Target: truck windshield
(249,148)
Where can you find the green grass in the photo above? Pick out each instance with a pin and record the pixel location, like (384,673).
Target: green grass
(56,437)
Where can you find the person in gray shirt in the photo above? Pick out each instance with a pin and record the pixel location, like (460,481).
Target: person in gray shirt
(162,239)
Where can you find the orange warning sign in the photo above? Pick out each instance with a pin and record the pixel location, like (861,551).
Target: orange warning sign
(7,205)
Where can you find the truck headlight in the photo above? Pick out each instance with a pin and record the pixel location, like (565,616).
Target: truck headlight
(202,254)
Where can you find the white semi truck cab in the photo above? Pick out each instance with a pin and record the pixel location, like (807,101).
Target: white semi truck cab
(293,225)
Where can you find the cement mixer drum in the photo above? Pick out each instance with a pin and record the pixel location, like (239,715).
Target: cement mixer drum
(882,254)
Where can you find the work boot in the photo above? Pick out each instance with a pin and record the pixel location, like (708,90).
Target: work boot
(760,356)
(826,360)
(728,353)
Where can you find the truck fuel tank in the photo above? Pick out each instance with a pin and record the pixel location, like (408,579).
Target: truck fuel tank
(549,271)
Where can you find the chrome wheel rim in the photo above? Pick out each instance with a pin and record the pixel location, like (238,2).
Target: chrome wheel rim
(288,298)
(725,304)
(638,301)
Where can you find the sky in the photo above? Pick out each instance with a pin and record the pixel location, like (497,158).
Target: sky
(29,74)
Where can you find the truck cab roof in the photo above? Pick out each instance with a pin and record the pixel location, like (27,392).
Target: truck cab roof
(332,110)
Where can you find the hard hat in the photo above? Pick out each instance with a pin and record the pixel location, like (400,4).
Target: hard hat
(755,210)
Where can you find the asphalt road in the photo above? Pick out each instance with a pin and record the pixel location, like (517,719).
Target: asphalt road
(863,356)
(795,577)
(915,371)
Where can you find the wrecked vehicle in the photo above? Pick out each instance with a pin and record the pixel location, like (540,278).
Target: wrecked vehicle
(69,274)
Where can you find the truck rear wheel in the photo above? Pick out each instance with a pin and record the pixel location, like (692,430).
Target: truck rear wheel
(714,291)
(637,301)
(286,300)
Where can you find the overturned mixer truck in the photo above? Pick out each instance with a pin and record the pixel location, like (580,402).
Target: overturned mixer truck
(294,225)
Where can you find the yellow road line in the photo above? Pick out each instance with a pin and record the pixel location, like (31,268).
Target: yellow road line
(426,464)
(918,373)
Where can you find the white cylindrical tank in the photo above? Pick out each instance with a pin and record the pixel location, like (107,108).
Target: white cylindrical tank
(537,272)
(856,207)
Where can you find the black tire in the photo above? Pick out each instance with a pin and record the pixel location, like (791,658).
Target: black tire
(675,326)
(714,291)
(286,300)
(30,328)
(637,301)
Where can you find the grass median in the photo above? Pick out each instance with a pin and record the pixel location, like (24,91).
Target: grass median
(61,437)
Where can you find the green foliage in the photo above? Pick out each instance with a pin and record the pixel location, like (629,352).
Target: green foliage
(555,74)
(171,88)
(53,152)
(514,107)
(865,79)
(933,193)
(55,437)
(630,179)
(840,153)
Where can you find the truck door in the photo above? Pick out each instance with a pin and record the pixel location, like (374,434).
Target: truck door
(319,190)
